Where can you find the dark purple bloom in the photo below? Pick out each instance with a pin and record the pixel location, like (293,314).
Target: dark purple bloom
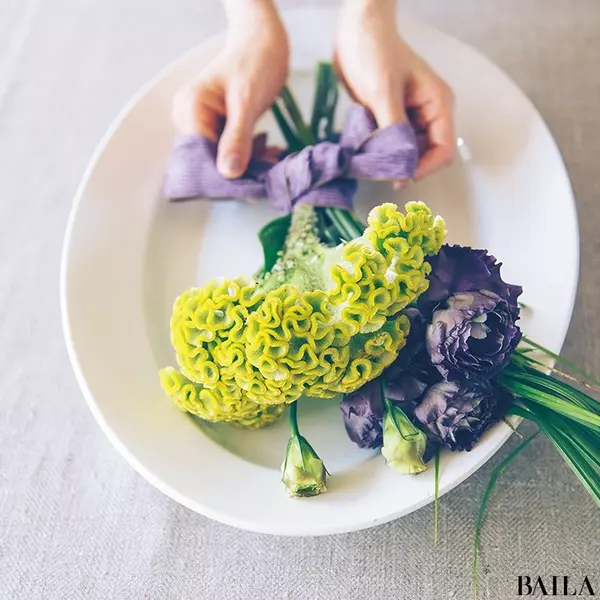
(473,336)
(415,342)
(457,414)
(363,415)
(462,269)
(405,389)
(412,372)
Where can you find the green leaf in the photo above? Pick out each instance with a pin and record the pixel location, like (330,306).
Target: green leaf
(272,237)
(575,368)
(578,444)
(325,102)
(485,500)
(291,106)
(294,144)
(436,498)
(552,394)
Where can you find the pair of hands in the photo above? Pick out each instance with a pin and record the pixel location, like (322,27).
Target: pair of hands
(379,70)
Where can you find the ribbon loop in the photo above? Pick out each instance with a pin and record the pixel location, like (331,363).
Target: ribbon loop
(322,175)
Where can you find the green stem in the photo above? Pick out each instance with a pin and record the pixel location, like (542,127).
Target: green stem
(325,101)
(484,502)
(303,132)
(345,223)
(294,418)
(292,141)
(436,499)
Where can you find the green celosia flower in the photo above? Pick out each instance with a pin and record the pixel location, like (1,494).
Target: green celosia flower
(323,321)
(403,444)
(217,404)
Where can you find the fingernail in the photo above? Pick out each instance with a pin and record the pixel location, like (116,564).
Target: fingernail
(230,165)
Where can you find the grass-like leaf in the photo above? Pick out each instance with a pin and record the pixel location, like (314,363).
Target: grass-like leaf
(325,102)
(484,502)
(436,498)
(291,139)
(554,395)
(291,106)
(559,359)
(577,444)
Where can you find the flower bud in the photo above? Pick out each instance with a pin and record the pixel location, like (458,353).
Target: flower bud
(303,472)
(403,444)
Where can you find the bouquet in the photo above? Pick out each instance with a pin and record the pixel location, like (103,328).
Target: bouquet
(420,340)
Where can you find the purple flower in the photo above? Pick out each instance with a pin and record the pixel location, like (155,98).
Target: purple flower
(415,341)
(412,372)
(473,336)
(463,269)
(457,414)
(363,415)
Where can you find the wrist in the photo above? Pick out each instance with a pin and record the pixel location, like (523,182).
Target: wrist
(245,13)
(369,9)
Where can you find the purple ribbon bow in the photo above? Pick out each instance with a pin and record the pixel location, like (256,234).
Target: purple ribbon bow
(325,174)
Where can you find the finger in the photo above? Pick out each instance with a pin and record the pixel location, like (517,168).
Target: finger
(442,145)
(389,110)
(342,79)
(235,145)
(196,109)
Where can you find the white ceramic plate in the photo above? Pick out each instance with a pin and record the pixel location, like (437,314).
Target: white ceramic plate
(128,254)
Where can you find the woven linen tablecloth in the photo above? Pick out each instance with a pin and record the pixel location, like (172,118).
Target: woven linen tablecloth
(75,520)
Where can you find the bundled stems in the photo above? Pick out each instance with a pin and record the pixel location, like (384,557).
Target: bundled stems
(337,225)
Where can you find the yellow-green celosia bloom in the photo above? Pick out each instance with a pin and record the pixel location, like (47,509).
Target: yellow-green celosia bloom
(324,321)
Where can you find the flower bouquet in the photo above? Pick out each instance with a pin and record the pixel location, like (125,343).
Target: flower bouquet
(418,341)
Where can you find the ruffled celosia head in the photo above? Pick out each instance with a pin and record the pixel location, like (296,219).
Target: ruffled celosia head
(324,321)
(222,403)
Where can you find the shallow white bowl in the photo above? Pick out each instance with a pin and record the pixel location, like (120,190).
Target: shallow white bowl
(128,254)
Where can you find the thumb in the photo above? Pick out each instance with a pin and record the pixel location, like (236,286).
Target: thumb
(388,107)
(235,145)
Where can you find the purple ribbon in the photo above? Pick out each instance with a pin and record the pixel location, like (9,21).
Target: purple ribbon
(325,174)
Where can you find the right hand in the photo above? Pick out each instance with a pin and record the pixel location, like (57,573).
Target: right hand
(383,73)
(224,102)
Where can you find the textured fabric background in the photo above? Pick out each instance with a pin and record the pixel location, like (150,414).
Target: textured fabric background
(75,520)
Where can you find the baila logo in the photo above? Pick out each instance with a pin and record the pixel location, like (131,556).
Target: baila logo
(554,586)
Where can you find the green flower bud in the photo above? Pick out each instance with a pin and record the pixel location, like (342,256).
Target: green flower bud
(303,472)
(403,444)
